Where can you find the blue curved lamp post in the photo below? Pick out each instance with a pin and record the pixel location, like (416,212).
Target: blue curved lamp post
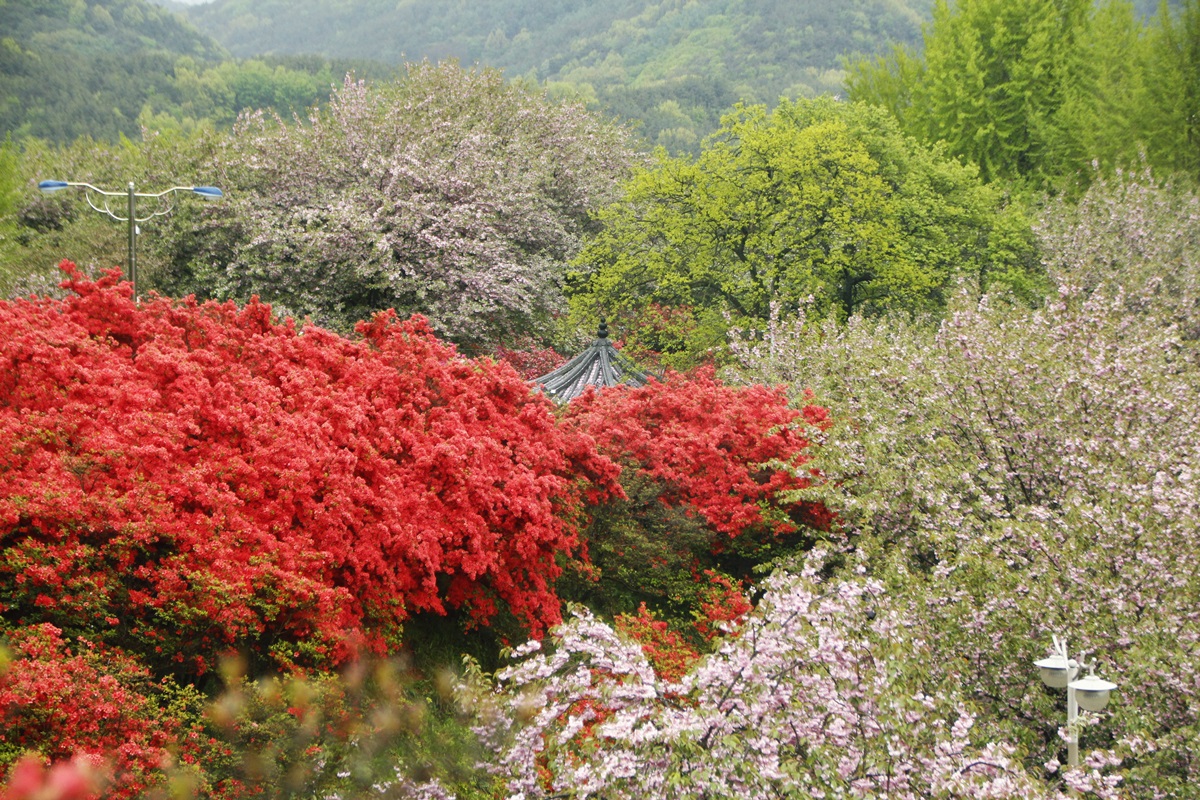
(131,217)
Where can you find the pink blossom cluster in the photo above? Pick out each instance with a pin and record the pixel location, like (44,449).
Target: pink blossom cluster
(815,695)
(1014,473)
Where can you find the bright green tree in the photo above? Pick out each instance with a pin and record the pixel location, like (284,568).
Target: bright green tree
(1040,91)
(995,76)
(1105,109)
(817,201)
(1172,113)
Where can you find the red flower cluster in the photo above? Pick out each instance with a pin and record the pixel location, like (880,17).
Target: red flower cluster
(190,477)
(727,452)
(723,604)
(668,652)
(531,361)
(84,705)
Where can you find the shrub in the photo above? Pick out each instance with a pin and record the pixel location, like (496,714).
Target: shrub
(80,701)
(713,478)
(181,479)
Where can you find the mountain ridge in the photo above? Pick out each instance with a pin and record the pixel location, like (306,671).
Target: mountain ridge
(676,65)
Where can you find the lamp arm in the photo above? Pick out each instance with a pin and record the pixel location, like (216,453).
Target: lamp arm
(91,188)
(159,196)
(105,210)
(165,191)
(151,216)
(1060,650)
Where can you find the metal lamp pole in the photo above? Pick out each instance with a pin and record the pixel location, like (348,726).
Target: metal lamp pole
(131,217)
(1059,671)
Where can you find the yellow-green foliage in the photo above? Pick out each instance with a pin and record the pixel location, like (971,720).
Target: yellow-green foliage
(816,199)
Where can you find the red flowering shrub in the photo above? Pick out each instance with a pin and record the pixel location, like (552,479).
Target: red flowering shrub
(722,603)
(77,779)
(531,361)
(668,652)
(709,473)
(721,450)
(183,478)
(84,703)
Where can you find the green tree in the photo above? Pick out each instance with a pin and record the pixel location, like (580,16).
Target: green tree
(1106,108)
(995,75)
(816,199)
(1038,90)
(1172,115)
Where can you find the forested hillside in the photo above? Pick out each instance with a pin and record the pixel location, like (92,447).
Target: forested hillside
(68,68)
(674,65)
(105,68)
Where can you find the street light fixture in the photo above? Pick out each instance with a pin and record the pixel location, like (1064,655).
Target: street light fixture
(131,217)
(1091,693)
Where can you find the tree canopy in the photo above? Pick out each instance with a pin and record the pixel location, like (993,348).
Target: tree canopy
(815,199)
(106,69)
(1038,90)
(452,193)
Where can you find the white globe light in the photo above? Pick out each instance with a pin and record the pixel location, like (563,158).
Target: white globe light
(1053,670)
(1092,693)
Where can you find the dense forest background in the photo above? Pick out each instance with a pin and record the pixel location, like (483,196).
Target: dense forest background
(674,65)
(108,68)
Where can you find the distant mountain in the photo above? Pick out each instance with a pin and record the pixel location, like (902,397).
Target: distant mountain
(675,64)
(69,68)
(106,69)
(94,67)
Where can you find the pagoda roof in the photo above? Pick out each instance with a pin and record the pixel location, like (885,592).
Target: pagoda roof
(600,365)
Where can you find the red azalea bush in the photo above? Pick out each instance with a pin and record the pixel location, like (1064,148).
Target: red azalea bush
(665,649)
(78,779)
(731,453)
(183,478)
(711,475)
(83,703)
(723,605)
(531,361)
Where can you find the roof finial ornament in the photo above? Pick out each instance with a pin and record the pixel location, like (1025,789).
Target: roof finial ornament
(603,332)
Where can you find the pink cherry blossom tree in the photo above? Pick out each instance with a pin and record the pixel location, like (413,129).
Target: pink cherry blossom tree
(1014,473)
(814,695)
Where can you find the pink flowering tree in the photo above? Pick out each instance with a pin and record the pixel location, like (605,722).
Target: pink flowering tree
(1135,232)
(820,692)
(451,193)
(1011,474)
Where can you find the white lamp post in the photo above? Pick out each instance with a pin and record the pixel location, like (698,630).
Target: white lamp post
(1091,693)
(131,217)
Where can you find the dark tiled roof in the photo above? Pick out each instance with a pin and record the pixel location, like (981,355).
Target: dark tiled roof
(601,365)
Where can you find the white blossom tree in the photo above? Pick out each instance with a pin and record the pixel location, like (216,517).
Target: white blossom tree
(452,193)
